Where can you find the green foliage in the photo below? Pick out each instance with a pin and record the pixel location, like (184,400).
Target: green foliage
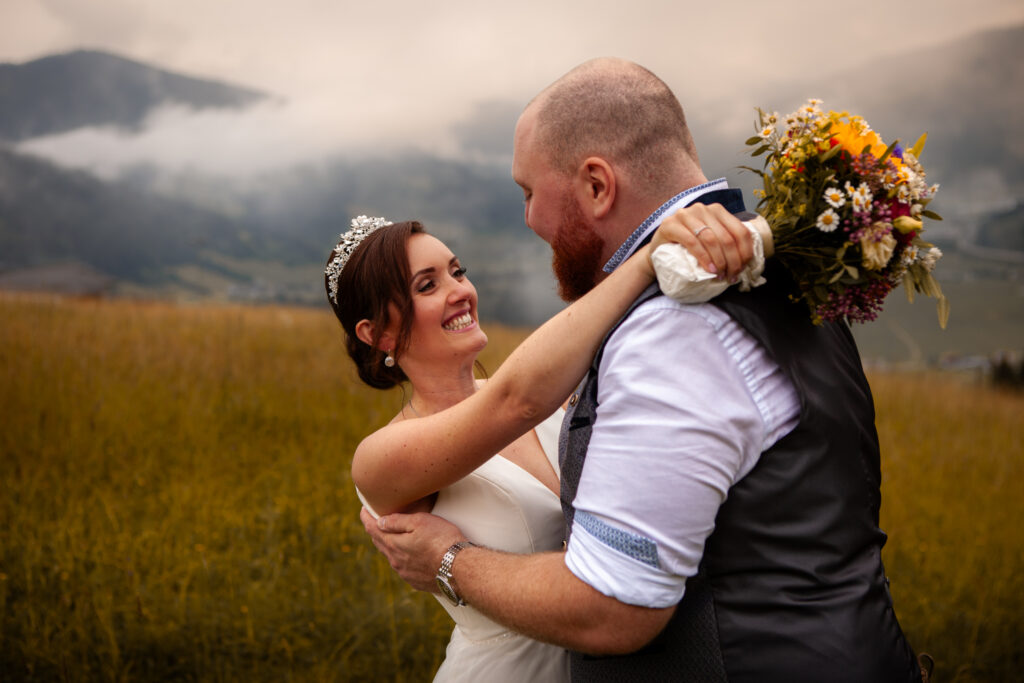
(176,504)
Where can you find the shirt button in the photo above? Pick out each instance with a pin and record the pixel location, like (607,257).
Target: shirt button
(574,399)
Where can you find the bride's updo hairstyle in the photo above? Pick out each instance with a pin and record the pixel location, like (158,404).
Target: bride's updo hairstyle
(375,274)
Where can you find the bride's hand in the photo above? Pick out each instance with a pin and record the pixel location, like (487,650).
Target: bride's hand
(718,240)
(413,544)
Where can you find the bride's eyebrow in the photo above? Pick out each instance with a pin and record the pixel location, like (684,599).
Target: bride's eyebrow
(431,269)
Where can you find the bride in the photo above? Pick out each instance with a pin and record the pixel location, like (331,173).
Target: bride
(409,313)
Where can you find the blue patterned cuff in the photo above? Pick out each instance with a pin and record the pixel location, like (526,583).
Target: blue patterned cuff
(629,544)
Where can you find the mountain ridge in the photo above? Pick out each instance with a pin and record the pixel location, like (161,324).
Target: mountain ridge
(63,92)
(147,225)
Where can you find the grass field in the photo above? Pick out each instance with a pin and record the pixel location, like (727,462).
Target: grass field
(175,504)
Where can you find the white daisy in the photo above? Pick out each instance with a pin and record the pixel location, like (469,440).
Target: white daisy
(861,204)
(834,196)
(930,257)
(828,221)
(861,197)
(864,191)
(890,178)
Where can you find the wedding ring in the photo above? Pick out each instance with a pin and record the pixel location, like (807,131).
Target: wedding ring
(700,230)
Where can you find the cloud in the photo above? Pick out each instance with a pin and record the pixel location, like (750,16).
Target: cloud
(385,76)
(487,132)
(430,57)
(266,137)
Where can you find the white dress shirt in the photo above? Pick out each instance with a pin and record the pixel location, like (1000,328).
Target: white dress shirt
(688,401)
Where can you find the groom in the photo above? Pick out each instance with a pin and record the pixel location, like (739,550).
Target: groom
(720,466)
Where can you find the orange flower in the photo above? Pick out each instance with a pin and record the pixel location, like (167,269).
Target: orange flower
(854,139)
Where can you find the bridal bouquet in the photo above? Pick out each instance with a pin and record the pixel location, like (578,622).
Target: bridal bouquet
(845,212)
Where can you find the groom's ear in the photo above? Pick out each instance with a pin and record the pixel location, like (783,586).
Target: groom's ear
(595,186)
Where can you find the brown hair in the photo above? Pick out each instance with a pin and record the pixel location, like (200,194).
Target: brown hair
(376,275)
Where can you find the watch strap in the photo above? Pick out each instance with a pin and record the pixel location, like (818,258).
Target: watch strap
(445,571)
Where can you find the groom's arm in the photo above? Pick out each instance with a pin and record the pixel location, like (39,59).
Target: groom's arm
(535,594)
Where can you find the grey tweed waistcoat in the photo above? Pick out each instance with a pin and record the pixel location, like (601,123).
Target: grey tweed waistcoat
(791,585)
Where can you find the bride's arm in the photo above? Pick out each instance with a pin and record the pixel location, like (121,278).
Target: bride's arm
(410,459)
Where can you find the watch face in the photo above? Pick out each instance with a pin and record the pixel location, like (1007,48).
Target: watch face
(447,591)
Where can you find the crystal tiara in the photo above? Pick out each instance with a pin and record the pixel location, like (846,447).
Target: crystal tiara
(362,227)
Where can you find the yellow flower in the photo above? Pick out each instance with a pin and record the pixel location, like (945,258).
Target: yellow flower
(906,224)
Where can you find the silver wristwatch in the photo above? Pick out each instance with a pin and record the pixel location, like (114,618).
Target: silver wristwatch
(444,574)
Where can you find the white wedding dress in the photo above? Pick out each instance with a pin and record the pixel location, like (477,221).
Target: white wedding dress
(501,506)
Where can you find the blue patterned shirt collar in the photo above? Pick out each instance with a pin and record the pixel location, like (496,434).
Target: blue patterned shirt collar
(682,199)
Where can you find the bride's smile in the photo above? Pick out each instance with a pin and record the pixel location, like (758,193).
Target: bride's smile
(444,304)
(459,322)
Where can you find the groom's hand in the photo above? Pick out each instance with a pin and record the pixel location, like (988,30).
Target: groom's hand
(414,544)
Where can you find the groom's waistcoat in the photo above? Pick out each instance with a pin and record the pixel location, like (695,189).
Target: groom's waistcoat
(791,585)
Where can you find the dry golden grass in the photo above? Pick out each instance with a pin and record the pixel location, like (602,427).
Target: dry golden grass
(175,504)
(953,506)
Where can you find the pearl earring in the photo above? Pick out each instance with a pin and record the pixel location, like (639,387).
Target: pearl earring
(389,360)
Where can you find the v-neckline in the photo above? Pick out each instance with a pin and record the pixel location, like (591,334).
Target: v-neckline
(531,475)
(547,460)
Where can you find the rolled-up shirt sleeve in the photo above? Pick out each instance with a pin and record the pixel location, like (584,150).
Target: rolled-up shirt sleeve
(687,403)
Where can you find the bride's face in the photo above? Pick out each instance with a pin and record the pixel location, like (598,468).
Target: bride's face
(445,324)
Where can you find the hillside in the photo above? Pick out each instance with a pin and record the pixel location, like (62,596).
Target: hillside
(89,88)
(1004,230)
(49,214)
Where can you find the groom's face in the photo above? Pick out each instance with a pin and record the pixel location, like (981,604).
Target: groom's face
(544,187)
(551,211)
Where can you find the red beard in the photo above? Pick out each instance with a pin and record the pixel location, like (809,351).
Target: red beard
(576,253)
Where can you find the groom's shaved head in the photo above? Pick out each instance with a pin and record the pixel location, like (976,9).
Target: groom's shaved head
(619,111)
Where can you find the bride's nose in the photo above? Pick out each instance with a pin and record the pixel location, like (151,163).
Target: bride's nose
(460,291)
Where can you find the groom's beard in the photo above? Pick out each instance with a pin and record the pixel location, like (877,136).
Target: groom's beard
(576,253)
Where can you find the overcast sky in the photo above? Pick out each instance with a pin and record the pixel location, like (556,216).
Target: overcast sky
(401,72)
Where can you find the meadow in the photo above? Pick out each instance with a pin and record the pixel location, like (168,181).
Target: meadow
(175,503)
